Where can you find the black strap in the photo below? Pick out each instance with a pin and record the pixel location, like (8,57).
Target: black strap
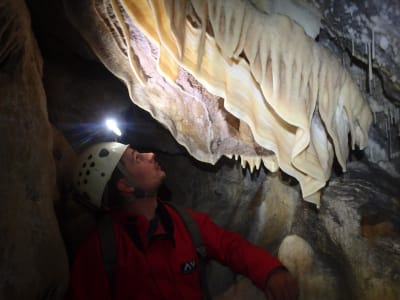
(108,249)
(197,239)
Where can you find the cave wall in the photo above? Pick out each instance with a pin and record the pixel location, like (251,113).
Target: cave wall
(33,261)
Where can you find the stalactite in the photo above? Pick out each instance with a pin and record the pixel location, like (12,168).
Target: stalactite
(369,68)
(389,139)
(373,45)
(374,116)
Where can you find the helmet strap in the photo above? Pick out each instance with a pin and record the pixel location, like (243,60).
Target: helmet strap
(138,193)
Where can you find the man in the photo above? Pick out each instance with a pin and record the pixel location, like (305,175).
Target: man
(156,258)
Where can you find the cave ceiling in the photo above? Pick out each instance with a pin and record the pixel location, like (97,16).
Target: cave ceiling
(290,85)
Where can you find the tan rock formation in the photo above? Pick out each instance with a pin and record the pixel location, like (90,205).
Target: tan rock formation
(178,57)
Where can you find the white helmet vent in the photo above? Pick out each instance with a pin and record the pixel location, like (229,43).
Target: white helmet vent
(103,153)
(94,168)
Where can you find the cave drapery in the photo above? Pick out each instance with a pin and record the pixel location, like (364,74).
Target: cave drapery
(297,99)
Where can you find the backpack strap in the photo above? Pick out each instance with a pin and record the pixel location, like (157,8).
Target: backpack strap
(197,240)
(108,249)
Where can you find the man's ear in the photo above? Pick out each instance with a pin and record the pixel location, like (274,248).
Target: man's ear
(123,186)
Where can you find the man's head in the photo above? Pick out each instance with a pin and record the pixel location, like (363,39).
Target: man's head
(139,173)
(144,169)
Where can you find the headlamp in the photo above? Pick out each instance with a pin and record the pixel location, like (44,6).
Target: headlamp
(112,125)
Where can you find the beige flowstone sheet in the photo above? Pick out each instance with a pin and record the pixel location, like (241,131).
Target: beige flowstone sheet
(191,64)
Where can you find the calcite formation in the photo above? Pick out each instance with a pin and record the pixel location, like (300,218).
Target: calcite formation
(227,79)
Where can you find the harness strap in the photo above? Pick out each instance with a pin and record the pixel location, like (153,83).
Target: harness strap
(108,249)
(197,239)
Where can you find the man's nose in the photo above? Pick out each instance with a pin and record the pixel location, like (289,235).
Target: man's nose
(150,156)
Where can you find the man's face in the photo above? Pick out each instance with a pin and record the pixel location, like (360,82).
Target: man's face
(146,172)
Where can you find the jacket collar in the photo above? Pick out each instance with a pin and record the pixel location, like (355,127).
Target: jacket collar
(142,231)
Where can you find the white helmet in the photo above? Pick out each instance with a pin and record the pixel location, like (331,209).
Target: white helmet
(94,169)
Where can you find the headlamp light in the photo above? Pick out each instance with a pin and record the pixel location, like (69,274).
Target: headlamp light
(112,125)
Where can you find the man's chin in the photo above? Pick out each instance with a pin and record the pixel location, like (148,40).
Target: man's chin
(162,180)
(163,176)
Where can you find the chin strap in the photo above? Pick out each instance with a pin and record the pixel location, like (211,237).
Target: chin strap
(138,193)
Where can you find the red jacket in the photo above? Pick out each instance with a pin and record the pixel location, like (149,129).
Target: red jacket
(165,266)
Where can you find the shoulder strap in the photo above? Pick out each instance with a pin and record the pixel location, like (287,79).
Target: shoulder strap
(108,249)
(197,239)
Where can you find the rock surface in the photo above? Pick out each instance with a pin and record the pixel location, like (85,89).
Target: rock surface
(33,261)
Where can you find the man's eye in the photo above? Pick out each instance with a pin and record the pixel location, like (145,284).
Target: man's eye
(135,156)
